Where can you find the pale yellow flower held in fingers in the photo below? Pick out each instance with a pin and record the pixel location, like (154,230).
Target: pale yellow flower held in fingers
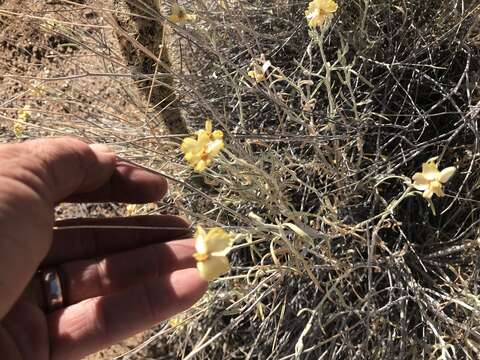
(200,152)
(180,16)
(431,180)
(318,11)
(211,250)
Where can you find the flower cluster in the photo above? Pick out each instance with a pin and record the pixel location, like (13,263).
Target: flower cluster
(318,11)
(200,152)
(180,16)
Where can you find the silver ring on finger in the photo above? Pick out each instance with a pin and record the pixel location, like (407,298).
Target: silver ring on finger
(52,289)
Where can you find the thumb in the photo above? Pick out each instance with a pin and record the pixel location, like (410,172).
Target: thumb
(57,168)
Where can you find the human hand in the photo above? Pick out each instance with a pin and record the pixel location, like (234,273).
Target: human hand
(116,281)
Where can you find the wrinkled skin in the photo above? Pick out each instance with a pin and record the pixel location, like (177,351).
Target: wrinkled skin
(116,281)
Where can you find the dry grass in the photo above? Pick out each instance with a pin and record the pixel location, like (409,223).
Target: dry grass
(335,257)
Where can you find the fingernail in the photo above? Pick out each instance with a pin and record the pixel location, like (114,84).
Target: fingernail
(101,148)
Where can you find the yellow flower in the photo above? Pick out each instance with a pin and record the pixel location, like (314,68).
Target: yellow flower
(39,90)
(212,249)
(431,180)
(132,209)
(200,153)
(319,10)
(259,72)
(18,129)
(24,114)
(176,320)
(180,16)
(49,24)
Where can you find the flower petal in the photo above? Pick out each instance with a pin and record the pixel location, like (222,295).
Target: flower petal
(214,148)
(190,145)
(191,17)
(208,126)
(217,134)
(432,159)
(201,166)
(200,241)
(428,194)
(317,21)
(175,19)
(430,170)
(446,174)
(257,73)
(213,267)
(218,241)
(420,182)
(266,65)
(203,138)
(331,6)
(178,14)
(437,188)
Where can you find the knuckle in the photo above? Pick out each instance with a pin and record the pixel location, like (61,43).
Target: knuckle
(53,148)
(47,166)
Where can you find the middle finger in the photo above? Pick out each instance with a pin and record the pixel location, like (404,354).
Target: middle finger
(84,279)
